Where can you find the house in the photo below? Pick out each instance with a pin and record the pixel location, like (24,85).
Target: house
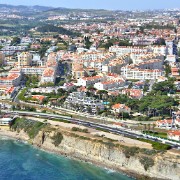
(133,93)
(175,71)
(167,123)
(120,108)
(38,98)
(68,86)
(89,81)
(174,135)
(108,85)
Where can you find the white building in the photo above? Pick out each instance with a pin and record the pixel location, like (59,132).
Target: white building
(141,74)
(33,70)
(159,50)
(121,50)
(171,58)
(11,80)
(80,98)
(48,76)
(174,135)
(89,81)
(108,85)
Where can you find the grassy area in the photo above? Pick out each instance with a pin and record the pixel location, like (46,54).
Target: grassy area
(157,145)
(31,127)
(157,134)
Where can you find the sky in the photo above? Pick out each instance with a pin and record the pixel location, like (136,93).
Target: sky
(100,4)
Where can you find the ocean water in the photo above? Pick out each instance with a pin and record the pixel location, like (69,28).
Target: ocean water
(20,161)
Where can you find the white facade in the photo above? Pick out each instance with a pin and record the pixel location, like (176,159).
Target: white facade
(11,80)
(108,85)
(141,74)
(160,50)
(80,98)
(89,81)
(171,58)
(121,50)
(33,70)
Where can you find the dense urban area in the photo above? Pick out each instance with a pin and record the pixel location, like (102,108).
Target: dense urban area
(113,71)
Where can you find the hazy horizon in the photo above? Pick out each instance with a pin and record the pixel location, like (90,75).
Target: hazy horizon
(101,4)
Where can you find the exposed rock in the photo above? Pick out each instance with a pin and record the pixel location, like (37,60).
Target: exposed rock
(160,166)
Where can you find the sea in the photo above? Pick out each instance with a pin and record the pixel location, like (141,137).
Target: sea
(21,161)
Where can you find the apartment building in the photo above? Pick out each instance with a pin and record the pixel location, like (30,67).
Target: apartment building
(141,74)
(80,99)
(121,50)
(24,59)
(48,76)
(33,70)
(11,80)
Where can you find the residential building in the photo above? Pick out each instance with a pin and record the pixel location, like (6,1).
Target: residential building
(33,70)
(11,80)
(107,85)
(80,100)
(121,108)
(174,135)
(48,76)
(89,81)
(133,93)
(167,123)
(142,74)
(24,59)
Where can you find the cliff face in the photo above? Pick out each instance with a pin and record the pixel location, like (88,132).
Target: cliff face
(158,165)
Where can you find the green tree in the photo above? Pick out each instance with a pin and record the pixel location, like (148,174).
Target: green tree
(15,41)
(167,70)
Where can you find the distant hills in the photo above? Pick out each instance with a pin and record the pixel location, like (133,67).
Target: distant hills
(22,7)
(52,28)
(44,8)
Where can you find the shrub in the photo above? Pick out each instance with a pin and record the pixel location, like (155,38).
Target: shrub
(147,162)
(57,139)
(79,129)
(130,151)
(157,145)
(29,126)
(33,131)
(110,144)
(148,151)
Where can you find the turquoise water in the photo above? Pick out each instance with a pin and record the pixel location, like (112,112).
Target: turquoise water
(19,161)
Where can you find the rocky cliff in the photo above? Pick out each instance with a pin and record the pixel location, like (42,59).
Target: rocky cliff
(110,154)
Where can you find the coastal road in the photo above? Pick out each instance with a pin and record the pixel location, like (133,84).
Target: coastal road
(123,132)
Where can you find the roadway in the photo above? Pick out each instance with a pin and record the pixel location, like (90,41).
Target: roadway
(114,130)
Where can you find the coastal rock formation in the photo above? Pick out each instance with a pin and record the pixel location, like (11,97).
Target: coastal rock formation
(159,165)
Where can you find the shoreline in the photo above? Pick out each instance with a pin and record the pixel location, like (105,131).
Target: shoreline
(22,137)
(58,153)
